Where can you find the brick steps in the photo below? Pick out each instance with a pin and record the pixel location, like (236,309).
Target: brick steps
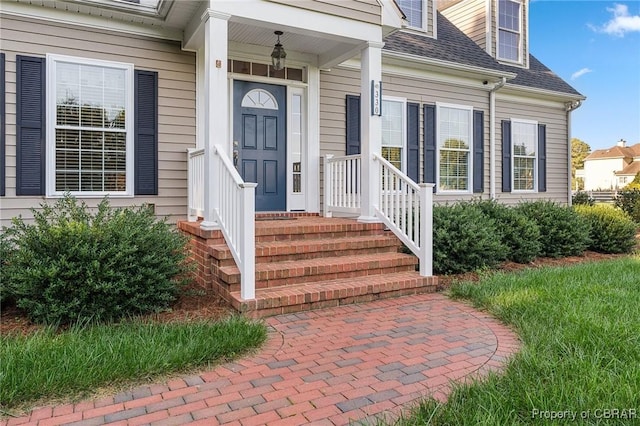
(308,262)
(324,294)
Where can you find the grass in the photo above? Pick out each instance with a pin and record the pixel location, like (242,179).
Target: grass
(580,333)
(50,364)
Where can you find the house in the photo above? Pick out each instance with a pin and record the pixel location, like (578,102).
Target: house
(372,109)
(612,168)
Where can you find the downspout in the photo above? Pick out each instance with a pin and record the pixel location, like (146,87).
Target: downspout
(492,137)
(570,106)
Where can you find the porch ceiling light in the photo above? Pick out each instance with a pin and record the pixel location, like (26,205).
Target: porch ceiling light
(278,55)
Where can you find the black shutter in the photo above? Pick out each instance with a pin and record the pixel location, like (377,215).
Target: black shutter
(478,151)
(413,141)
(30,125)
(430,144)
(542,158)
(506,156)
(146,133)
(353,125)
(2,127)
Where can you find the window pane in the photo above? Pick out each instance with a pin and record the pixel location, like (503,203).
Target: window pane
(523,174)
(509,47)
(296,141)
(393,155)
(392,123)
(454,130)
(413,11)
(509,15)
(90,96)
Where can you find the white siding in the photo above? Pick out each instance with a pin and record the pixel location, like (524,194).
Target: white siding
(368,11)
(176,103)
(599,174)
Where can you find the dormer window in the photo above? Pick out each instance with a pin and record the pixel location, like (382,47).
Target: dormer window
(510,30)
(415,12)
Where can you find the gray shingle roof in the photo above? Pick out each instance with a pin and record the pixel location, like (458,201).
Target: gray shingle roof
(452,45)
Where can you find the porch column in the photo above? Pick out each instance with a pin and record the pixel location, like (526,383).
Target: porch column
(216,107)
(370,130)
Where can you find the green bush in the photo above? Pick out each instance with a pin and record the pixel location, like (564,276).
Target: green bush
(612,230)
(562,231)
(582,198)
(464,239)
(6,291)
(629,201)
(519,233)
(72,265)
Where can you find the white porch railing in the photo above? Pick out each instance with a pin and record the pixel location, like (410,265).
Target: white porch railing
(404,206)
(195,184)
(342,184)
(407,209)
(234,211)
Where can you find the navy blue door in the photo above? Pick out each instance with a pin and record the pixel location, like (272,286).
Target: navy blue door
(259,134)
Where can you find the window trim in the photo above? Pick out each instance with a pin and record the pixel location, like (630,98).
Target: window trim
(469,110)
(403,102)
(535,157)
(50,174)
(424,27)
(520,59)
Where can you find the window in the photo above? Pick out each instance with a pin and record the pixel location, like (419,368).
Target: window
(393,131)
(509,30)
(454,139)
(524,137)
(415,13)
(90,126)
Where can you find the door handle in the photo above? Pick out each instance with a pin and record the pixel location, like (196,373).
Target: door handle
(236,155)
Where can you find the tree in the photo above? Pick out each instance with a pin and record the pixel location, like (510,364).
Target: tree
(579,151)
(635,183)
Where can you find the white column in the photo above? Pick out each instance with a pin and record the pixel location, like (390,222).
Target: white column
(370,130)
(216,107)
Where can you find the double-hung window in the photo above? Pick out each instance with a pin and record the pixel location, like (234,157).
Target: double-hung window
(394,131)
(454,141)
(524,137)
(414,10)
(90,127)
(510,30)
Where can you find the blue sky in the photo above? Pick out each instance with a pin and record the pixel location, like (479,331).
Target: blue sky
(594,45)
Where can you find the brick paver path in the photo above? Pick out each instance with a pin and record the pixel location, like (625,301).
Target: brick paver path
(323,367)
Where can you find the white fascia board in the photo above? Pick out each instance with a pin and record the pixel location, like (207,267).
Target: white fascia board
(532,92)
(461,69)
(97,22)
(303,21)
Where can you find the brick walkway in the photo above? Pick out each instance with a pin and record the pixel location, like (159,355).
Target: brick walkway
(323,367)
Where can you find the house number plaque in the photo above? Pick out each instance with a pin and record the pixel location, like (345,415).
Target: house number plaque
(376,97)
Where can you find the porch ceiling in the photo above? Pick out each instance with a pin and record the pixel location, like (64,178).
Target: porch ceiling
(326,48)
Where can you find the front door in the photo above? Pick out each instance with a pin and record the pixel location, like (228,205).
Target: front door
(259,135)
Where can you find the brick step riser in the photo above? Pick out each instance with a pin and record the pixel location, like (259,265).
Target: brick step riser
(262,312)
(288,281)
(224,257)
(313,234)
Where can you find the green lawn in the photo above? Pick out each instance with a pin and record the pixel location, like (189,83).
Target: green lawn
(48,364)
(580,332)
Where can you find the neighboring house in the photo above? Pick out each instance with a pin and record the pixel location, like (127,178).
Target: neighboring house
(105,97)
(612,168)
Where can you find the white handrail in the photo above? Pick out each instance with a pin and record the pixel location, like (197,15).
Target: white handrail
(195,184)
(407,209)
(342,180)
(236,218)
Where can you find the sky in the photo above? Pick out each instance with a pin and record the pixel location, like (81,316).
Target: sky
(594,45)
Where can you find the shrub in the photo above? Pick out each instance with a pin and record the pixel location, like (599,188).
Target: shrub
(629,201)
(519,233)
(6,248)
(582,198)
(71,265)
(562,231)
(464,239)
(612,230)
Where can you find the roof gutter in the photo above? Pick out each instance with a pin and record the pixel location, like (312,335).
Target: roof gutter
(492,136)
(569,107)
